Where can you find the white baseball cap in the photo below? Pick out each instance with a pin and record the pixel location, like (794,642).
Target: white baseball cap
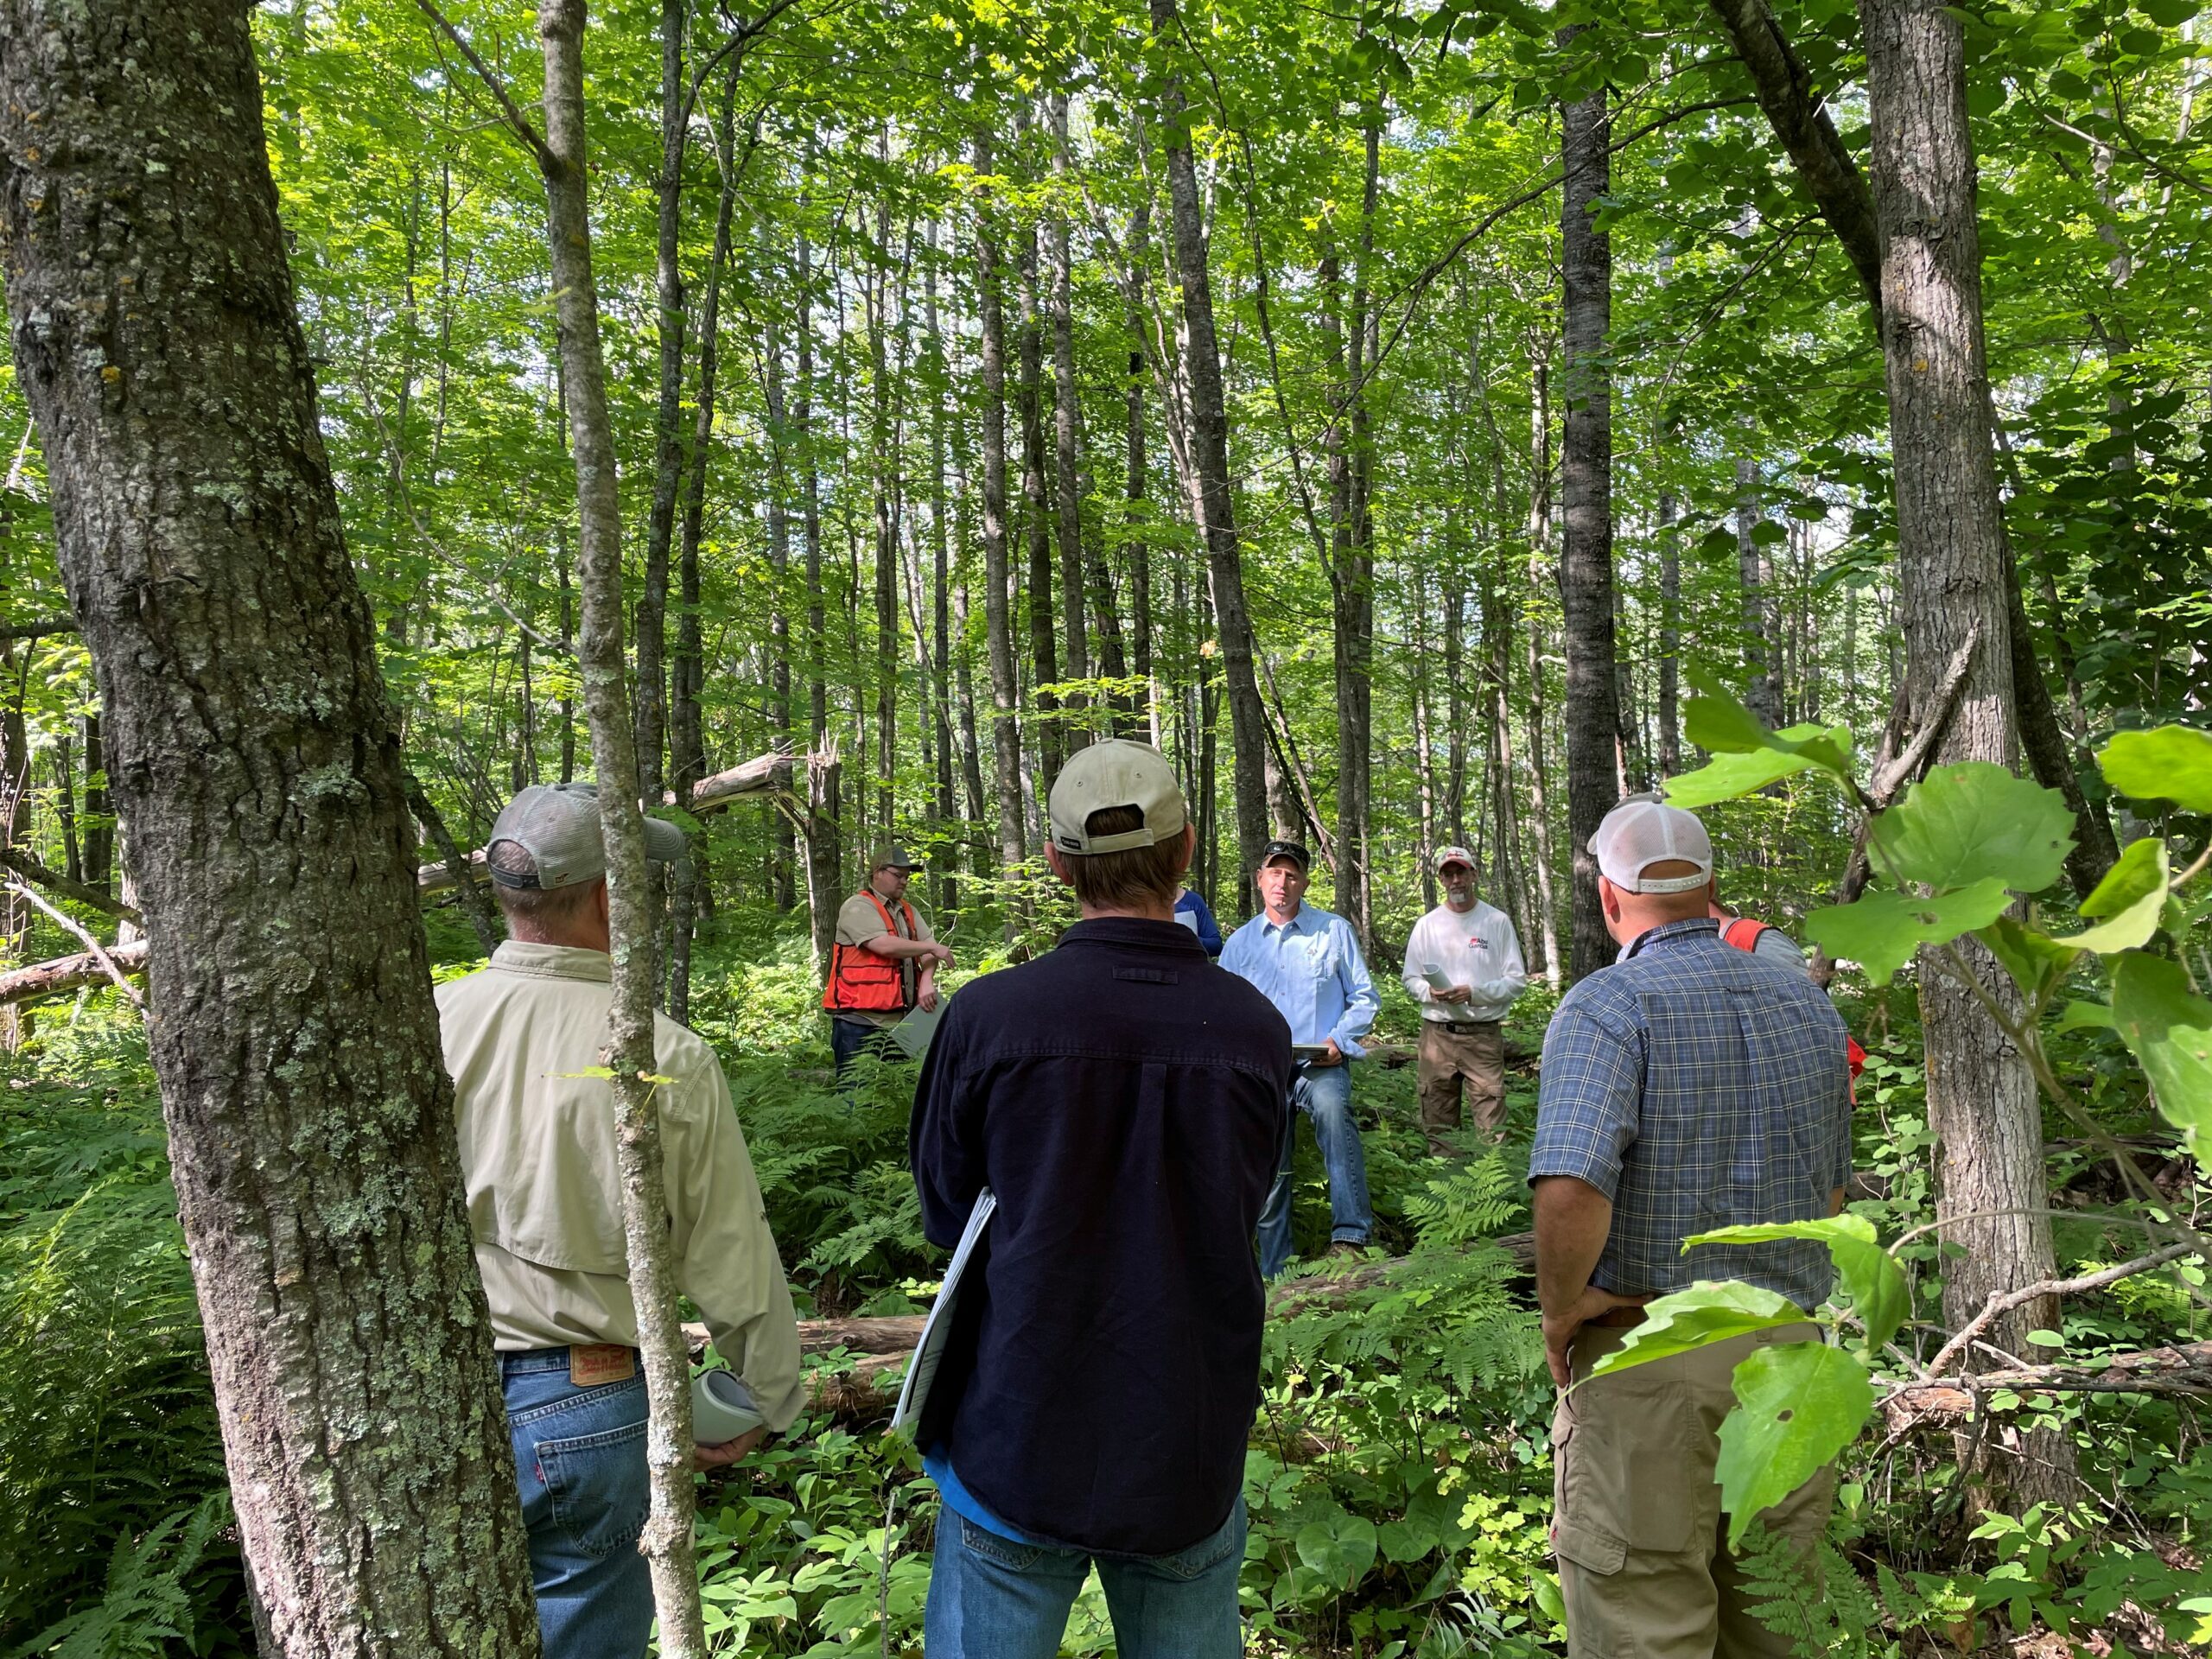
(1115,772)
(1453,855)
(1642,831)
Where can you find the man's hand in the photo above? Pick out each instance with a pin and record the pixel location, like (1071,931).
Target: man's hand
(718,1457)
(1456,994)
(1331,1055)
(1560,1328)
(943,953)
(925,996)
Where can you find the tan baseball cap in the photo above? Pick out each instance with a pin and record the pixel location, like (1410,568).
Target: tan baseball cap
(558,825)
(892,856)
(1642,831)
(1115,772)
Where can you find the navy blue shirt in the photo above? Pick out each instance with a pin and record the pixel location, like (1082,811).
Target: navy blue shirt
(1124,1098)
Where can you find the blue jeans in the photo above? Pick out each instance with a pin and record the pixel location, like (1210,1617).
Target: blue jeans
(850,1039)
(579,1460)
(993,1598)
(1323,1094)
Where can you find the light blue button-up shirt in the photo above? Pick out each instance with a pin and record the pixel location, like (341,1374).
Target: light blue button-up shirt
(1309,968)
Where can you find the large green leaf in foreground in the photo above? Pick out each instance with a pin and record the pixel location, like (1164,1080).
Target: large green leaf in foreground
(1970,823)
(1881,932)
(1798,1405)
(1871,1276)
(1711,1311)
(2168,763)
(2169,1028)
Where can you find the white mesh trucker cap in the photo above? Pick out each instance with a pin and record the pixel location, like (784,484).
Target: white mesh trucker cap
(1642,831)
(558,825)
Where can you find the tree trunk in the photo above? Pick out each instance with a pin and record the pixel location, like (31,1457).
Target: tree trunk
(1067,481)
(782,880)
(823,886)
(948,810)
(1755,576)
(1540,538)
(1209,484)
(668,417)
(1982,1103)
(1006,734)
(1587,493)
(691,889)
(1670,638)
(253,754)
(1136,552)
(1036,500)
(630,1047)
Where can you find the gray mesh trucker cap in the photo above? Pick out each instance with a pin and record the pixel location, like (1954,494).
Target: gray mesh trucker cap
(558,825)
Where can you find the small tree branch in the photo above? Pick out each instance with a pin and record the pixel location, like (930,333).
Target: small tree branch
(2003,1302)
(54,881)
(98,951)
(38,629)
(516,120)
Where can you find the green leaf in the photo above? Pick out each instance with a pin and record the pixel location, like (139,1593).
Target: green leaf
(1871,1276)
(2085,1016)
(1781,755)
(1881,932)
(1405,1541)
(2131,898)
(1973,823)
(2035,961)
(1728,776)
(1708,1312)
(1340,1548)
(2167,763)
(1798,1405)
(2168,1028)
(1715,720)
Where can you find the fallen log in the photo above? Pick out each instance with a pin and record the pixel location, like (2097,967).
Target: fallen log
(2185,1368)
(765,774)
(55,882)
(65,974)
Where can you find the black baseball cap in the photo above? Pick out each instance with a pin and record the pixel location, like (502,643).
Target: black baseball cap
(1275,849)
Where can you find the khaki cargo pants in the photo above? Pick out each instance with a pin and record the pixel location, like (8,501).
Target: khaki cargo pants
(1638,1531)
(1472,1054)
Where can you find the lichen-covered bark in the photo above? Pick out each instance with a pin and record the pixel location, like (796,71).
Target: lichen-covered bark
(251,749)
(630,1049)
(1953,578)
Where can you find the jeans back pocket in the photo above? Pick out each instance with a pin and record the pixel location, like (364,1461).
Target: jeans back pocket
(599,1487)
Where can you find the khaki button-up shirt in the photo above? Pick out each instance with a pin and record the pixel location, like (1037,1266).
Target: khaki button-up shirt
(538,1151)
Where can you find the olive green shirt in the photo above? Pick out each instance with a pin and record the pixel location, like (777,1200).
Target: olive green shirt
(859,921)
(537,1154)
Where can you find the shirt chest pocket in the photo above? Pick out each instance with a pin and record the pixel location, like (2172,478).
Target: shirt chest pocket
(1315,958)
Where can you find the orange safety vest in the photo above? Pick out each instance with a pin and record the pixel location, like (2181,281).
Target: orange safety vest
(1744,934)
(860,980)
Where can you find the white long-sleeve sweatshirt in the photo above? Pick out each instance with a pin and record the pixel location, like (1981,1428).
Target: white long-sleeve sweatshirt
(1478,949)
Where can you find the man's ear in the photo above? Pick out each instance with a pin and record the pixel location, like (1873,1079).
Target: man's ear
(1609,897)
(1058,860)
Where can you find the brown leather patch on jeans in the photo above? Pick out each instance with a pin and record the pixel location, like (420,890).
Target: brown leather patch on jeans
(593,1363)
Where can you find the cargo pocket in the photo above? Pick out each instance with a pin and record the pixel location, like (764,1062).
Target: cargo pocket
(1627,1476)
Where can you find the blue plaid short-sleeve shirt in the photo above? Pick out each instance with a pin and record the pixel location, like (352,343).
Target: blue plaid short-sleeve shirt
(1698,1087)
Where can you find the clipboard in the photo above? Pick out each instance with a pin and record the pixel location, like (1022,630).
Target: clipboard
(937,1330)
(912,1034)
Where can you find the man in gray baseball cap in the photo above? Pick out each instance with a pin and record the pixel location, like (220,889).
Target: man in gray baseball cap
(883,961)
(522,1039)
